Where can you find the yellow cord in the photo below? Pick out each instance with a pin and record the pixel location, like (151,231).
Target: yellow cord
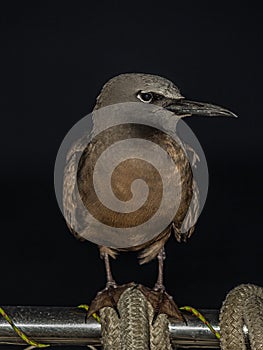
(86,307)
(201,318)
(97,318)
(20,333)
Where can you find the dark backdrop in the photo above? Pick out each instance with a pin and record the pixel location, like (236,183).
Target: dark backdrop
(54,60)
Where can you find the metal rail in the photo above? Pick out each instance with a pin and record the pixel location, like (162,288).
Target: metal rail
(68,326)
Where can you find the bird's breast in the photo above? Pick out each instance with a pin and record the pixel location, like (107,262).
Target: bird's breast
(126,173)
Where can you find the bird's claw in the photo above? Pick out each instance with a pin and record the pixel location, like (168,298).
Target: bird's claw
(108,297)
(161,302)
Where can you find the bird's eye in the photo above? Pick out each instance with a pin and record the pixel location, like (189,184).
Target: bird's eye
(145,97)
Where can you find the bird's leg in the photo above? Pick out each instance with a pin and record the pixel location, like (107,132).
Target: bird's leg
(110,295)
(159,286)
(111,284)
(159,283)
(161,301)
(110,281)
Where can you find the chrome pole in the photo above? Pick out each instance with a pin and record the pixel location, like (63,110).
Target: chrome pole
(68,326)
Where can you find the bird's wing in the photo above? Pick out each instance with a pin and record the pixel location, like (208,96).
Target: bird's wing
(70,190)
(187,228)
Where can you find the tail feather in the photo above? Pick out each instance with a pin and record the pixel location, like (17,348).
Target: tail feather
(153,249)
(110,251)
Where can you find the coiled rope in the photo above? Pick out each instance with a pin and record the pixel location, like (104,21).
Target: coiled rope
(134,330)
(243,306)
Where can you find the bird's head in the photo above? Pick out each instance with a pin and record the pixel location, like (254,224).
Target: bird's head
(148,88)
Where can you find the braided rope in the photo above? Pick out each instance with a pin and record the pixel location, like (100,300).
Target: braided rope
(134,330)
(134,320)
(159,332)
(110,329)
(243,305)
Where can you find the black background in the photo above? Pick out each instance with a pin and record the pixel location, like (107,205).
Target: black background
(54,60)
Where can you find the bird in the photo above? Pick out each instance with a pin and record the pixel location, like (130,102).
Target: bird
(145,89)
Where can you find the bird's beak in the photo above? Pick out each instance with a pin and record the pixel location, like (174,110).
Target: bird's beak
(185,108)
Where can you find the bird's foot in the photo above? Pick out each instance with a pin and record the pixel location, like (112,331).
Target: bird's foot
(109,285)
(108,297)
(161,302)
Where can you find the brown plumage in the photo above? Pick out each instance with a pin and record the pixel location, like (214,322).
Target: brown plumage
(125,177)
(161,92)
